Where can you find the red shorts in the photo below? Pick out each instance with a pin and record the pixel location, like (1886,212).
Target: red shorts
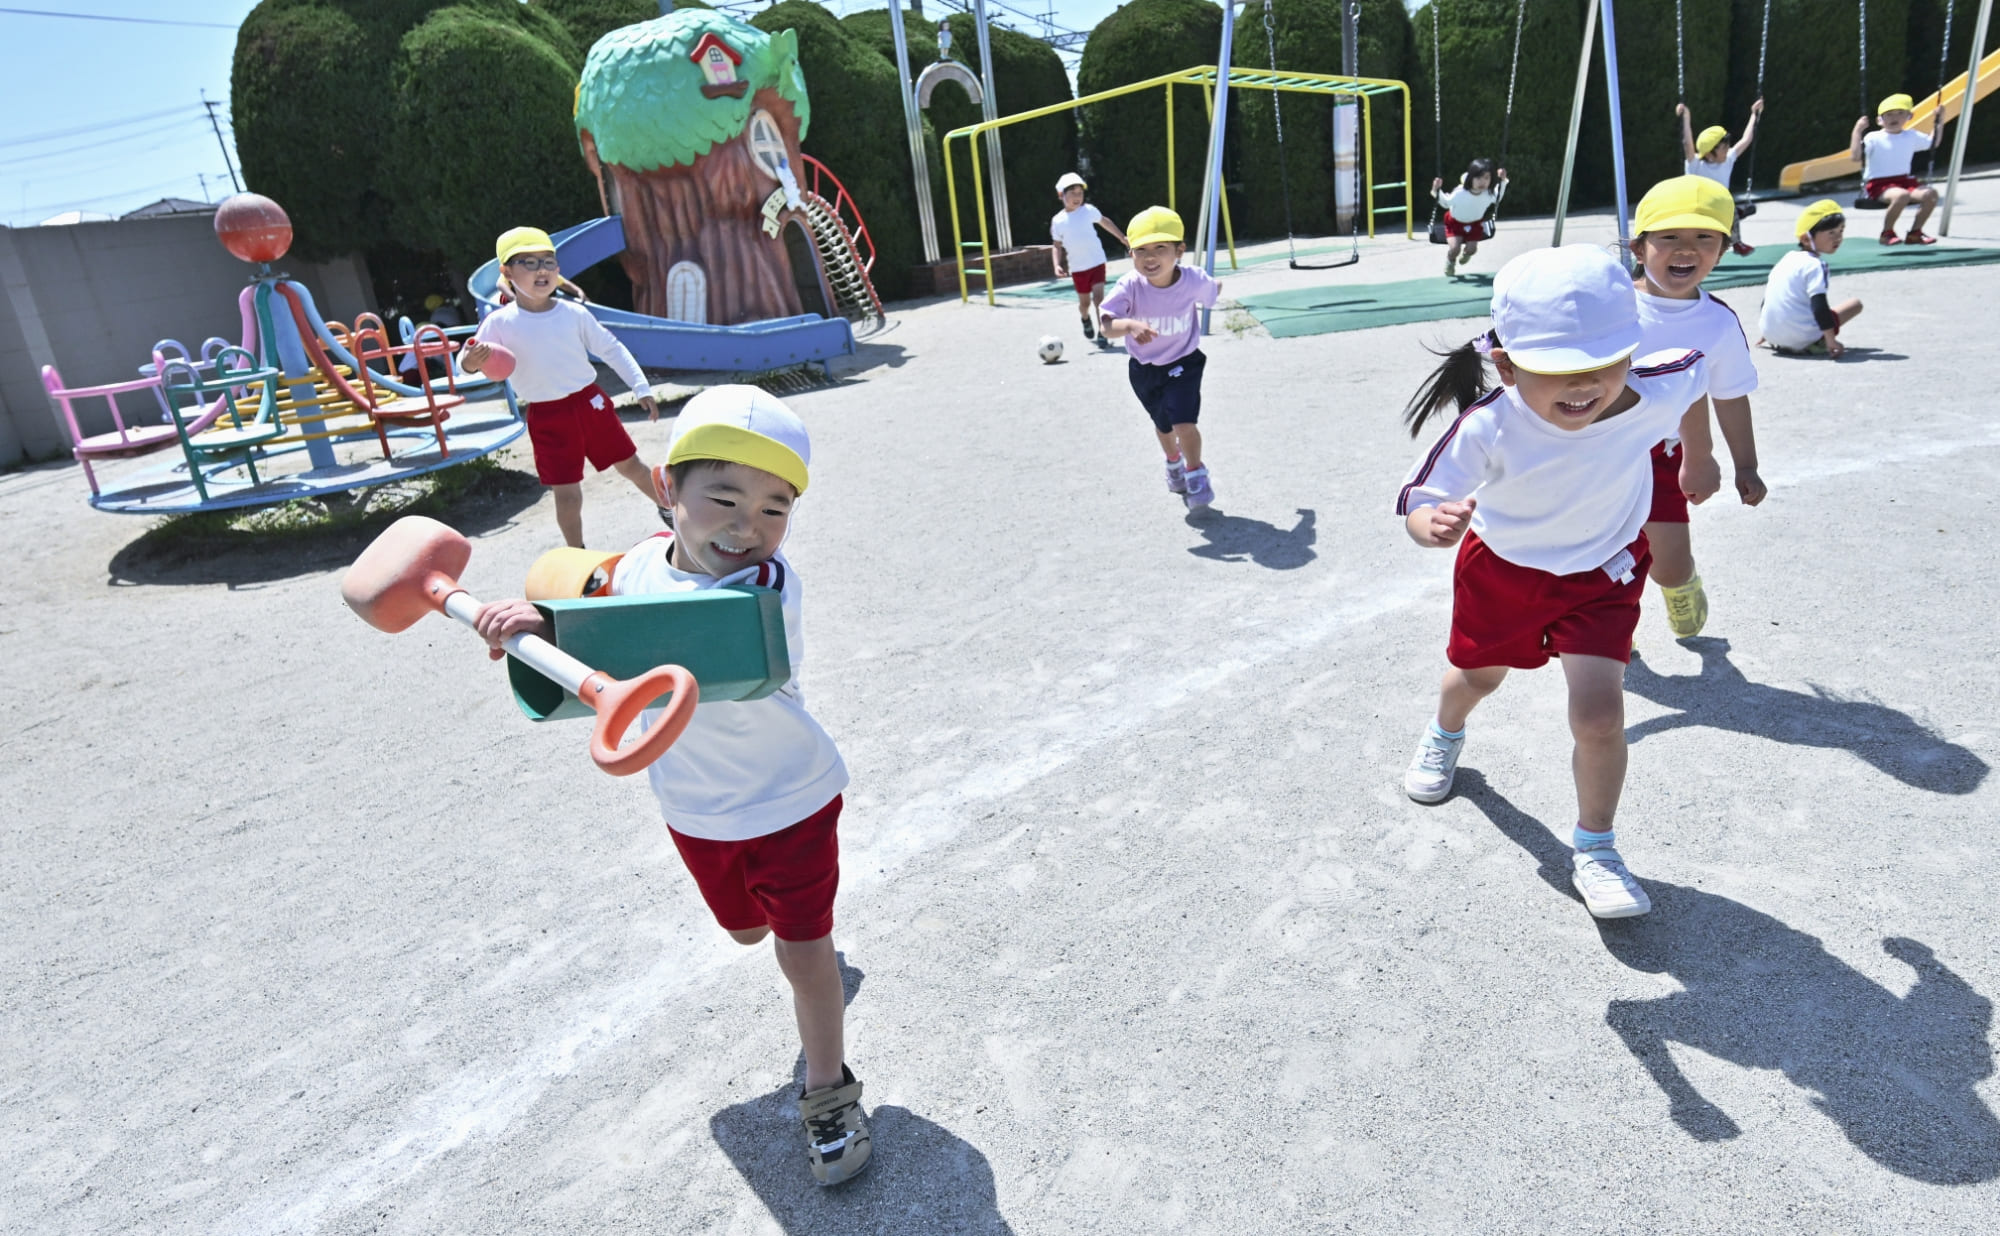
(1877,188)
(1506,614)
(1473,232)
(1670,504)
(1085,280)
(784,880)
(567,431)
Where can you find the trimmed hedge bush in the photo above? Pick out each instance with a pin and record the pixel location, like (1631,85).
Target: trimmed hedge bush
(1812,82)
(590,20)
(1124,140)
(1027,74)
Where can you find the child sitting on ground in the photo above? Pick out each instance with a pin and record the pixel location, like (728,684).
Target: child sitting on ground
(1078,254)
(1547,482)
(1888,160)
(1153,309)
(1713,156)
(751,790)
(1796,317)
(1466,211)
(1682,225)
(570,418)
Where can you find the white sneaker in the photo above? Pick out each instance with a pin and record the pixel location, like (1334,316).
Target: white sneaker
(1609,890)
(1432,768)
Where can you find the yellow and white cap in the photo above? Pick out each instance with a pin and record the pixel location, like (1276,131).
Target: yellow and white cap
(1685,201)
(1896,103)
(1813,215)
(1155,225)
(517,240)
(1565,310)
(1710,138)
(745,425)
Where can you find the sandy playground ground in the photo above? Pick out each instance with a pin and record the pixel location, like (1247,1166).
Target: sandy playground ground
(304,929)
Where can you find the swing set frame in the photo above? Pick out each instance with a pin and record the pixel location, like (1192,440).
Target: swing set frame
(1205,78)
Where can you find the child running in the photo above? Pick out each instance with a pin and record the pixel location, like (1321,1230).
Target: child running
(1796,317)
(1888,161)
(1544,484)
(1682,225)
(1078,254)
(1466,209)
(1713,156)
(1153,310)
(570,418)
(751,791)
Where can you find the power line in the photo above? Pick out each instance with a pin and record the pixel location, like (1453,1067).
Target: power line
(94,127)
(185,124)
(59,207)
(136,21)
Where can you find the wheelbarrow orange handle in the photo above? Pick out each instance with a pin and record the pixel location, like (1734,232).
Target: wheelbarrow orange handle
(619,703)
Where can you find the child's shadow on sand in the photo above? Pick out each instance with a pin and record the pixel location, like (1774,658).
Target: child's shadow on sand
(1236,538)
(922,1177)
(1720,697)
(1897,1074)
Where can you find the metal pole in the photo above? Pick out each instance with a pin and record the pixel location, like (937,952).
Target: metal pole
(1218,122)
(1964,115)
(1004,231)
(1575,121)
(913,126)
(1617,125)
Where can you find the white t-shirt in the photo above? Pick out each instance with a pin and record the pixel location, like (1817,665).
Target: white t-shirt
(742,768)
(1709,327)
(552,350)
(1466,206)
(1718,172)
(1787,317)
(1076,231)
(1558,500)
(1885,154)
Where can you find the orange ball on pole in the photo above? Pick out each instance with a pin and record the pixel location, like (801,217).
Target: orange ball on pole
(253,227)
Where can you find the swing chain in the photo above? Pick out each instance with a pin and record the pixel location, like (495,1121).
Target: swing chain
(1865,109)
(1680,56)
(1763,45)
(1513,73)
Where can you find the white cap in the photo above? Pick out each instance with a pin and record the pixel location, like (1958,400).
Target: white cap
(746,425)
(1068,179)
(1566,310)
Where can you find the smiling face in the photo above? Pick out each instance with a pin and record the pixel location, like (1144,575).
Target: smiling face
(534,276)
(1676,260)
(1570,400)
(1072,197)
(1157,261)
(727,516)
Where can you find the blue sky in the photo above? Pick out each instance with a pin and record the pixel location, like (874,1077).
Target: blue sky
(106,115)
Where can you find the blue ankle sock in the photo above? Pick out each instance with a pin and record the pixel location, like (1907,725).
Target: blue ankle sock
(1442,732)
(1583,839)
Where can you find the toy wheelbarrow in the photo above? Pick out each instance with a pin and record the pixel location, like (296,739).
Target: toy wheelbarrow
(412,569)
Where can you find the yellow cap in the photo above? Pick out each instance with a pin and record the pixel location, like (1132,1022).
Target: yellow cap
(745,425)
(1155,225)
(1710,138)
(1896,103)
(1812,215)
(1685,201)
(518,240)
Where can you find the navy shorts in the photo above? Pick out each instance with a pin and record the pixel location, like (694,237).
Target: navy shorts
(1170,393)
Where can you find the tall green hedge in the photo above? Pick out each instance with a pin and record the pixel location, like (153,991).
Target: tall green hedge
(1308,40)
(1027,74)
(1124,139)
(1926,38)
(1812,81)
(590,20)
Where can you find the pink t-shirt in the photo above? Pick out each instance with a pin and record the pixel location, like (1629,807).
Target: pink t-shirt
(1168,310)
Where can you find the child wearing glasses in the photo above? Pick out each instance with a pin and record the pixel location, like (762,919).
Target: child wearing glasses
(569,416)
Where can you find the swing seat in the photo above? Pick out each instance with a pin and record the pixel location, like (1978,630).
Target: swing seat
(1437,232)
(1745,208)
(1864,202)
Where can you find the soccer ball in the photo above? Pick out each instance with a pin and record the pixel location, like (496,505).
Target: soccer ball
(1049,349)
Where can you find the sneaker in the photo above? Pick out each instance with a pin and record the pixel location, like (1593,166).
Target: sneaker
(1889,238)
(1429,776)
(1608,889)
(1687,608)
(1919,238)
(1177,477)
(1199,492)
(837,1143)
(1450,269)
(1089,331)
(1742,250)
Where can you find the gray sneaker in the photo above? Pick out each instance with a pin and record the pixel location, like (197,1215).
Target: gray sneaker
(1177,478)
(1608,889)
(1199,492)
(1432,768)
(837,1144)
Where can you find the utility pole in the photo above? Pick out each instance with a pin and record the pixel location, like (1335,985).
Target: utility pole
(216,125)
(204,185)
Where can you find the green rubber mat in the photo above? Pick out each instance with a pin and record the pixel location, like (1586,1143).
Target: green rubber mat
(1357,306)
(1063,289)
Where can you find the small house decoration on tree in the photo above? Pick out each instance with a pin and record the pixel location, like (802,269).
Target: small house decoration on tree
(691,123)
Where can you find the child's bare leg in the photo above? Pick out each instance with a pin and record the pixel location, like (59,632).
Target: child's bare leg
(1189,438)
(820,1004)
(1897,199)
(569,513)
(1847,311)
(1464,688)
(634,469)
(1465,254)
(1673,554)
(1097,304)
(1597,723)
(1927,200)
(1083,305)
(1451,248)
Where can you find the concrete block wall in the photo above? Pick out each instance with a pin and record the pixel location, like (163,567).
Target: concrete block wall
(93,298)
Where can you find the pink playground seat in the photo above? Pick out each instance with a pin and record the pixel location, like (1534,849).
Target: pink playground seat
(124,440)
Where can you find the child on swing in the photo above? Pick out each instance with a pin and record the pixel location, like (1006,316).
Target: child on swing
(1466,211)
(1888,161)
(1680,228)
(1712,155)
(1544,485)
